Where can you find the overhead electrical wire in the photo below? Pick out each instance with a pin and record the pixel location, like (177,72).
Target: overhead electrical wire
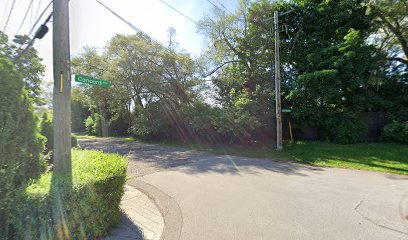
(38,9)
(216,6)
(3,18)
(25,16)
(205,75)
(9,15)
(39,34)
(223,6)
(131,25)
(31,15)
(39,18)
(182,14)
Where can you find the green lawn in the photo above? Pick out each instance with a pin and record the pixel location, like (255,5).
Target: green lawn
(382,157)
(83,136)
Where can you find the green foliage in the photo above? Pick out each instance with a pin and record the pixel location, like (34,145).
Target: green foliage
(47,130)
(389,19)
(74,141)
(343,128)
(158,119)
(29,65)
(395,132)
(10,194)
(20,141)
(141,73)
(93,125)
(97,127)
(82,206)
(237,121)
(89,123)
(79,110)
(201,117)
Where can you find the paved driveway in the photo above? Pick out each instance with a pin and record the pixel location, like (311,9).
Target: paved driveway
(225,197)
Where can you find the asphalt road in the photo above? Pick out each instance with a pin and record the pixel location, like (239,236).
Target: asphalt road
(226,197)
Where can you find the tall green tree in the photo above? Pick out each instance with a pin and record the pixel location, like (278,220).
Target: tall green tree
(142,73)
(21,144)
(28,64)
(390,19)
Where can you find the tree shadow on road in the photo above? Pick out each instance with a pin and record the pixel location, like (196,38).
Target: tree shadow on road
(149,158)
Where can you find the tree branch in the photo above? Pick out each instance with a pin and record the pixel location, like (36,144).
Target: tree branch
(220,66)
(398,59)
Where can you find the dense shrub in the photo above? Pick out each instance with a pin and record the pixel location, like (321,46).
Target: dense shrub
(97,126)
(343,128)
(74,141)
(20,142)
(93,125)
(159,119)
(82,206)
(79,109)
(89,122)
(47,131)
(395,132)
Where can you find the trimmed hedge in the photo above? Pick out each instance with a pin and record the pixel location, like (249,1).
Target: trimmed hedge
(82,206)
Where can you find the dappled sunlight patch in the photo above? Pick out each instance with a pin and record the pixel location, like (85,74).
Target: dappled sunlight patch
(83,204)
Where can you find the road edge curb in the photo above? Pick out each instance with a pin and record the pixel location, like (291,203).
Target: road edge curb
(168,207)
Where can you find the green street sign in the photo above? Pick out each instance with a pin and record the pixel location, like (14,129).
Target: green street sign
(92,81)
(286,110)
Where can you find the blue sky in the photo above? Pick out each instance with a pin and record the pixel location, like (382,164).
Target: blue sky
(92,25)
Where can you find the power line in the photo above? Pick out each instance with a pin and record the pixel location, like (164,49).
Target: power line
(216,6)
(131,25)
(223,6)
(8,18)
(38,9)
(31,14)
(182,14)
(39,18)
(42,30)
(3,18)
(25,16)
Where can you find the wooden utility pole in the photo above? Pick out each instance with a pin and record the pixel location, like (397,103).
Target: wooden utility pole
(62,87)
(279,145)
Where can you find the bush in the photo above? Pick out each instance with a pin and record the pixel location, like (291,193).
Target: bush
(395,132)
(343,128)
(97,126)
(93,125)
(74,141)
(47,131)
(89,122)
(159,120)
(82,206)
(20,142)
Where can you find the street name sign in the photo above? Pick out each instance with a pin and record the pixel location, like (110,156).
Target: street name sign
(92,81)
(286,110)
